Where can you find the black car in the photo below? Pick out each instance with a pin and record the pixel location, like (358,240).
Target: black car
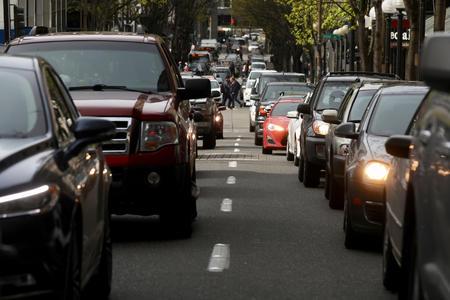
(54,183)
(328,94)
(367,163)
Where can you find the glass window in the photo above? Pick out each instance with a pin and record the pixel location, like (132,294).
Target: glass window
(273,92)
(332,94)
(214,84)
(86,63)
(282,108)
(359,105)
(250,84)
(21,112)
(393,113)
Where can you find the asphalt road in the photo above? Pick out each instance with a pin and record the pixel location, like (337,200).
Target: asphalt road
(259,235)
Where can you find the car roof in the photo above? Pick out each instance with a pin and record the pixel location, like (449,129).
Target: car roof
(283,74)
(88,36)
(407,87)
(286,83)
(292,97)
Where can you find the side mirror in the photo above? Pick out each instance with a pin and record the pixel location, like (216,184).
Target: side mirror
(330,116)
(89,130)
(434,62)
(195,88)
(292,114)
(398,145)
(215,94)
(222,108)
(304,108)
(346,130)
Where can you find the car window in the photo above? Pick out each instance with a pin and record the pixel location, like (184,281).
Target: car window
(282,108)
(85,63)
(21,109)
(393,114)
(254,75)
(359,105)
(250,84)
(273,92)
(214,84)
(332,94)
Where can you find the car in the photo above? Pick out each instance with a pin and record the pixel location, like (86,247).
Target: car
(272,91)
(328,94)
(222,72)
(351,109)
(247,90)
(367,163)
(276,125)
(54,185)
(216,87)
(254,46)
(258,66)
(417,240)
(133,81)
(293,140)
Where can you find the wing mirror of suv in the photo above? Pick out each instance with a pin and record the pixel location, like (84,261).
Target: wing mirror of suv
(434,64)
(292,114)
(330,116)
(346,130)
(89,130)
(215,94)
(398,145)
(195,88)
(303,108)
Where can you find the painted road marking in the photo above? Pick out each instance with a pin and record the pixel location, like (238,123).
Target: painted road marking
(238,140)
(236,144)
(220,258)
(237,150)
(231,180)
(232,164)
(227,205)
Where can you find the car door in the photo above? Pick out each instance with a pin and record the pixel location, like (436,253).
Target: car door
(85,169)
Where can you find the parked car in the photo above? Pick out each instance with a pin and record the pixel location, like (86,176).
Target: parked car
(247,90)
(215,87)
(273,90)
(54,183)
(418,238)
(351,109)
(367,164)
(276,125)
(133,81)
(328,94)
(258,66)
(293,140)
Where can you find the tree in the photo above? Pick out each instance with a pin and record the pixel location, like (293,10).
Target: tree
(378,38)
(412,11)
(439,15)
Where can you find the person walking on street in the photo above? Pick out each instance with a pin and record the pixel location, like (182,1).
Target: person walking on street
(235,88)
(226,93)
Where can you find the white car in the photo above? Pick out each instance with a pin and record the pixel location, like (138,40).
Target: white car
(258,66)
(215,87)
(293,147)
(247,91)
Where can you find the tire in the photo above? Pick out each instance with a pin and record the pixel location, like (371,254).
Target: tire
(326,190)
(351,237)
(289,155)
(301,166)
(296,158)
(219,136)
(72,289)
(266,151)
(252,128)
(391,270)
(258,141)
(336,194)
(311,174)
(209,141)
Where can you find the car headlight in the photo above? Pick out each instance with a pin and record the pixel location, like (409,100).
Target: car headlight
(274,127)
(154,135)
(33,201)
(218,118)
(321,127)
(376,171)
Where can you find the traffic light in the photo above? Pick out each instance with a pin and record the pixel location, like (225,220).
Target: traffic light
(233,21)
(19,21)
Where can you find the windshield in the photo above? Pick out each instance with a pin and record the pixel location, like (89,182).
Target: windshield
(198,58)
(258,66)
(289,78)
(250,84)
(393,114)
(282,108)
(273,92)
(254,75)
(86,63)
(214,85)
(359,105)
(21,111)
(332,94)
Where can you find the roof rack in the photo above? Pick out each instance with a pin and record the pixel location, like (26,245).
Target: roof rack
(361,73)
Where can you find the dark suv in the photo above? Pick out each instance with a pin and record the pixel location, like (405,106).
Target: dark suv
(328,94)
(133,81)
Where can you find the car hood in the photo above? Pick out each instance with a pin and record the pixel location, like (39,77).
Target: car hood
(122,103)
(376,148)
(279,120)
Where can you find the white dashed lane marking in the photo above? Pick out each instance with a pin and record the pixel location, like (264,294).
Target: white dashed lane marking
(237,150)
(227,205)
(231,180)
(236,144)
(220,258)
(238,140)
(232,164)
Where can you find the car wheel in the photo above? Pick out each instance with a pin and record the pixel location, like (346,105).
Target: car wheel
(252,128)
(209,141)
(100,284)
(258,141)
(266,151)
(296,158)
(311,174)
(289,155)
(326,190)
(220,136)
(391,270)
(336,194)
(301,166)
(351,237)
(72,290)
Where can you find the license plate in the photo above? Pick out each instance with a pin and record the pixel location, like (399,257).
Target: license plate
(202,124)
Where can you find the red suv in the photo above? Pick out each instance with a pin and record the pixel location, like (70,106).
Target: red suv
(133,81)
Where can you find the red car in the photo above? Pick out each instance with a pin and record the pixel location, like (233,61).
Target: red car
(275,128)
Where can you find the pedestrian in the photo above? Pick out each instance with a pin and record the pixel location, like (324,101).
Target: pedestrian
(244,72)
(235,89)
(226,93)
(180,66)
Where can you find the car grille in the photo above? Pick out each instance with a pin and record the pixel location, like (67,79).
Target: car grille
(120,144)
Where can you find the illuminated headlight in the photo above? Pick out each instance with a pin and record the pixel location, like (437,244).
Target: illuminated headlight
(321,127)
(274,127)
(218,118)
(33,201)
(154,135)
(376,171)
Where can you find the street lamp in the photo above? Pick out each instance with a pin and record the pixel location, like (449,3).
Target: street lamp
(388,9)
(400,6)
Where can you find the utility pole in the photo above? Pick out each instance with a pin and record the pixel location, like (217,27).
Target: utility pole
(6,20)
(319,42)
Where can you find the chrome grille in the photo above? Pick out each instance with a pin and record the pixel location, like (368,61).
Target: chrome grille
(120,144)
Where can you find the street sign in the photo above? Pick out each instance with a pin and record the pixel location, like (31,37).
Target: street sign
(331,36)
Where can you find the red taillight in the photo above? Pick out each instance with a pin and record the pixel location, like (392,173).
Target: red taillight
(356,201)
(261,109)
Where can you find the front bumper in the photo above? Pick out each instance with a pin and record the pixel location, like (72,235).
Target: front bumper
(276,141)
(366,207)
(315,150)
